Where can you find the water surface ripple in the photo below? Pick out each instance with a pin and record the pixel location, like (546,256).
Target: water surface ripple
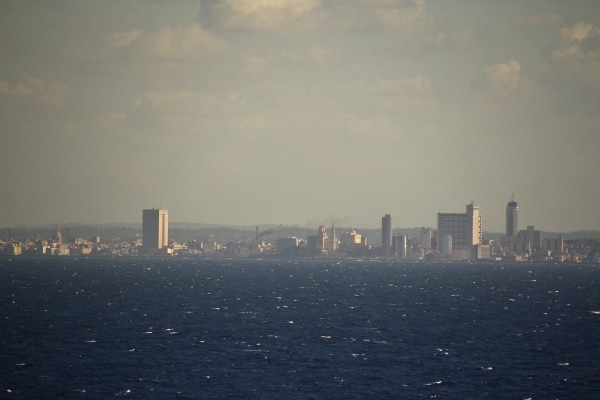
(309,329)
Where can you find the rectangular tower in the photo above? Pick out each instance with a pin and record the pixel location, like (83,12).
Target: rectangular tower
(474,225)
(464,229)
(386,235)
(512,218)
(425,238)
(400,246)
(155,229)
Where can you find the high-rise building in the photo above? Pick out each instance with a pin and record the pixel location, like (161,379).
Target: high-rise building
(445,245)
(532,239)
(155,229)
(286,243)
(386,235)
(350,239)
(512,218)
(322,242)
(425,238)
(464,229)
(400,246)
(321,238)
(331,243)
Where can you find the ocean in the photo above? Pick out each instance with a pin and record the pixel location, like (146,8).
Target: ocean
(100,328)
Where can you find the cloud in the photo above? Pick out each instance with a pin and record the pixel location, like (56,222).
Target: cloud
(398,15)
(540,20)
(135,49)
(264,15)
(36,90)
(124,38)
(577,53)
(504,77)
(304,15)
(186,41)
(388,15)
(579,32)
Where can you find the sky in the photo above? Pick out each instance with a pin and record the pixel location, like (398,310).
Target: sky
(300,112)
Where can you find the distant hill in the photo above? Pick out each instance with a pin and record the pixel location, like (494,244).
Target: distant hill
(574,235)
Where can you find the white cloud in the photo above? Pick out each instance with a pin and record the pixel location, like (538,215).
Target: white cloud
(124,38)
(146,52)
(177,43)
(402,15)
(577,53)
(388,15)
(36,90)
(265,15)
(503,77)
(304,15)
(579,32)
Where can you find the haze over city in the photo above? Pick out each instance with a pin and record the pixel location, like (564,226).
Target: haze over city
(302,112)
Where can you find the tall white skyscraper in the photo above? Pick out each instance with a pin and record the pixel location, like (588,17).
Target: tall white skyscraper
(155,229)
(464,229)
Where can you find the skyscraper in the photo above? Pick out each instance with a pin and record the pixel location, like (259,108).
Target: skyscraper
(400,246)
(512,218)
(386,235)
(155,229)
(425,238)
(464,229)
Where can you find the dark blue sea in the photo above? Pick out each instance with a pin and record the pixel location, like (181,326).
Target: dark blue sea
(306,329)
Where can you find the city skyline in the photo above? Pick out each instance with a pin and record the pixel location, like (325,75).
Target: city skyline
(306,112)
(469,224)
(458,236)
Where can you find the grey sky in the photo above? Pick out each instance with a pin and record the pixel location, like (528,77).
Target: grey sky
(300,111)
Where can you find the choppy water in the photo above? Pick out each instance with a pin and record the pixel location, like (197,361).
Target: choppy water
(188,329)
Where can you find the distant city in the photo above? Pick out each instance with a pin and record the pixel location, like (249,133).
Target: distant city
(457,237)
